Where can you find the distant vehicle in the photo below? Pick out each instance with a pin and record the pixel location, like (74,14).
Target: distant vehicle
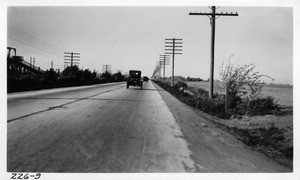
(145,78)
(134,79)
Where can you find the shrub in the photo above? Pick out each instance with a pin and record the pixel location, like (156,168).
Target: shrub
(262,106)
(199,100)
(216,106)
(236,77)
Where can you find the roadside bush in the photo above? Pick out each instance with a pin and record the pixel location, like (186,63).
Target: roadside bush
(198,100)
(262,106)
(236,78)
(216,107)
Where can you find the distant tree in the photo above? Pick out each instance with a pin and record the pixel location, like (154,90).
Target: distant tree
(94,74)
(105,77)
(193,79)
(87,75)
(117,77)
(70,72)
(50,75)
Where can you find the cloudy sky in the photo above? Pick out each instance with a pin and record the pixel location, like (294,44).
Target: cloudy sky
(132,37)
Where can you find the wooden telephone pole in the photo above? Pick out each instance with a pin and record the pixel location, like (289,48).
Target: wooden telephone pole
(212,16)
(175,45)
(106,68)
(71,58)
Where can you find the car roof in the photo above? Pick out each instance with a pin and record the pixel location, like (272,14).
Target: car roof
(135,71)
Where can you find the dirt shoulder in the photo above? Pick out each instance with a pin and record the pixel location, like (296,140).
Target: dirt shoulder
(215,149)
(269,134)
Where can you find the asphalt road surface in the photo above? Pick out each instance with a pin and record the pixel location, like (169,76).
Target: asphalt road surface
(108,128)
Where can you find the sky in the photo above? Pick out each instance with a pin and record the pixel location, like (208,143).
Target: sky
(133,37)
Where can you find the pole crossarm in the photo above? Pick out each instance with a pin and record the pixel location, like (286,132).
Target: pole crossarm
(161,60)
(72,56)
(216,14)
(173,49)
(70,53)
(174,39)
(173,43)
(172,53)
(172,46)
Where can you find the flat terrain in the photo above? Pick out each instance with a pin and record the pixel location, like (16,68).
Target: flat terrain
(283,94)
(108,128)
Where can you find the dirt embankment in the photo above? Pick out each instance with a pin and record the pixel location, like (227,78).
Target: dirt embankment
(269,134)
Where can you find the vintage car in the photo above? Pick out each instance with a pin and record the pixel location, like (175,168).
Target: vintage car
(134,79)
(145,78)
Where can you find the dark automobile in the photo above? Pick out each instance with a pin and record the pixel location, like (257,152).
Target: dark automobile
(145,78)
(134,79)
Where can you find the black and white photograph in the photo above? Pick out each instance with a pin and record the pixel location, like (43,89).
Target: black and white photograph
(143,90)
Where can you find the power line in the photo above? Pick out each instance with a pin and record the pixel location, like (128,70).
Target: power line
(32,36)
(28,44)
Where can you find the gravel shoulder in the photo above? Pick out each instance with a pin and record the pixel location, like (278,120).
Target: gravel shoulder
(214,149)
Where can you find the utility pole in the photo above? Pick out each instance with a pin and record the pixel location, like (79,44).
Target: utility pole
(106,68)
(30,61)
(51,64)
(164,60)
(58,71)
(71,58)
(212,16)
(172,43)
(159,64)
(33,61)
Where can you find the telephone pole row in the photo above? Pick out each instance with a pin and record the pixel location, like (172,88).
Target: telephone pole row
(212,16)
(164,60)
(173,47)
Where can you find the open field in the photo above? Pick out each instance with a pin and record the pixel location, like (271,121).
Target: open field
(283,94)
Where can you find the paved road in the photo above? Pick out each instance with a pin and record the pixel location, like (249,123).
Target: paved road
(108,128)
